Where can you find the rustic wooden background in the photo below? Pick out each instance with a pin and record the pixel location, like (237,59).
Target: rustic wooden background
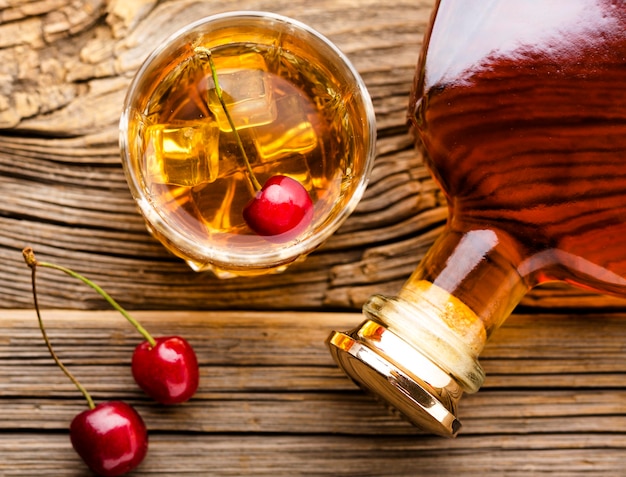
(271,401)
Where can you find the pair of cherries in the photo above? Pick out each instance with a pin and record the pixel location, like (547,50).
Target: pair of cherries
(111,437)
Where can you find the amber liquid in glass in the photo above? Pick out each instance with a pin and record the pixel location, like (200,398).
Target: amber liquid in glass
(520,109)
(291,119)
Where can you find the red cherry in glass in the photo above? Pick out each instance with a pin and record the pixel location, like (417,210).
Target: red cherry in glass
(281,209)
(168,371)
(111,438)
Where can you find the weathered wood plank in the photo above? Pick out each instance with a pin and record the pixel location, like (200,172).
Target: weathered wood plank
(241,337)
(261,369)
(226,455)
(64,77)
(505,413)
(271,401)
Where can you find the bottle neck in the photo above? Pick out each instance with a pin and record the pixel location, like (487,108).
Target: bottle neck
(419,351)
(461,292)
(475,272)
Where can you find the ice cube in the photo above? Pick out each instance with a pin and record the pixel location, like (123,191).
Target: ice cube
(184,153)
(291,133)
(247,94)
(251,60)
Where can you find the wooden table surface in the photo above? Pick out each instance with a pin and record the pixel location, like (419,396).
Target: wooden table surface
(271,401)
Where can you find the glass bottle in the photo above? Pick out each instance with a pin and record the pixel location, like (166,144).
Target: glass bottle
(519,108)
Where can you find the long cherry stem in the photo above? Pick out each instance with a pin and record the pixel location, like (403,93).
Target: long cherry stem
(218,91)
(32,262)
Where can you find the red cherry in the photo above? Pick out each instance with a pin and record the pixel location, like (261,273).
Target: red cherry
(111,438)
(281,209)
(167,372)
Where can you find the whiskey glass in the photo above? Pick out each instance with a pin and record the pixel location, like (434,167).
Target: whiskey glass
(293,105)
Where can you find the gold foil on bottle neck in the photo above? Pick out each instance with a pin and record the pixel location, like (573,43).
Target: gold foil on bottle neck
(414,354)
(444,307)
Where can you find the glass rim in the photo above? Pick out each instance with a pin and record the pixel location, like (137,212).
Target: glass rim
(232,259)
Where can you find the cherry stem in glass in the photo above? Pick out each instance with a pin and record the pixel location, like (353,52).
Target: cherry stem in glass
(218,90)
(32,262)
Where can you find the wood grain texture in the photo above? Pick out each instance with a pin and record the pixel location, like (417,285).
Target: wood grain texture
(271,401)
(66,194)
(65,67)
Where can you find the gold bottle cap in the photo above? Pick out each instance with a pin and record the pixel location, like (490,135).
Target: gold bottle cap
(379,361)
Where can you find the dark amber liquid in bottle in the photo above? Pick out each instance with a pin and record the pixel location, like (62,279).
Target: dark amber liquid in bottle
(520,109)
